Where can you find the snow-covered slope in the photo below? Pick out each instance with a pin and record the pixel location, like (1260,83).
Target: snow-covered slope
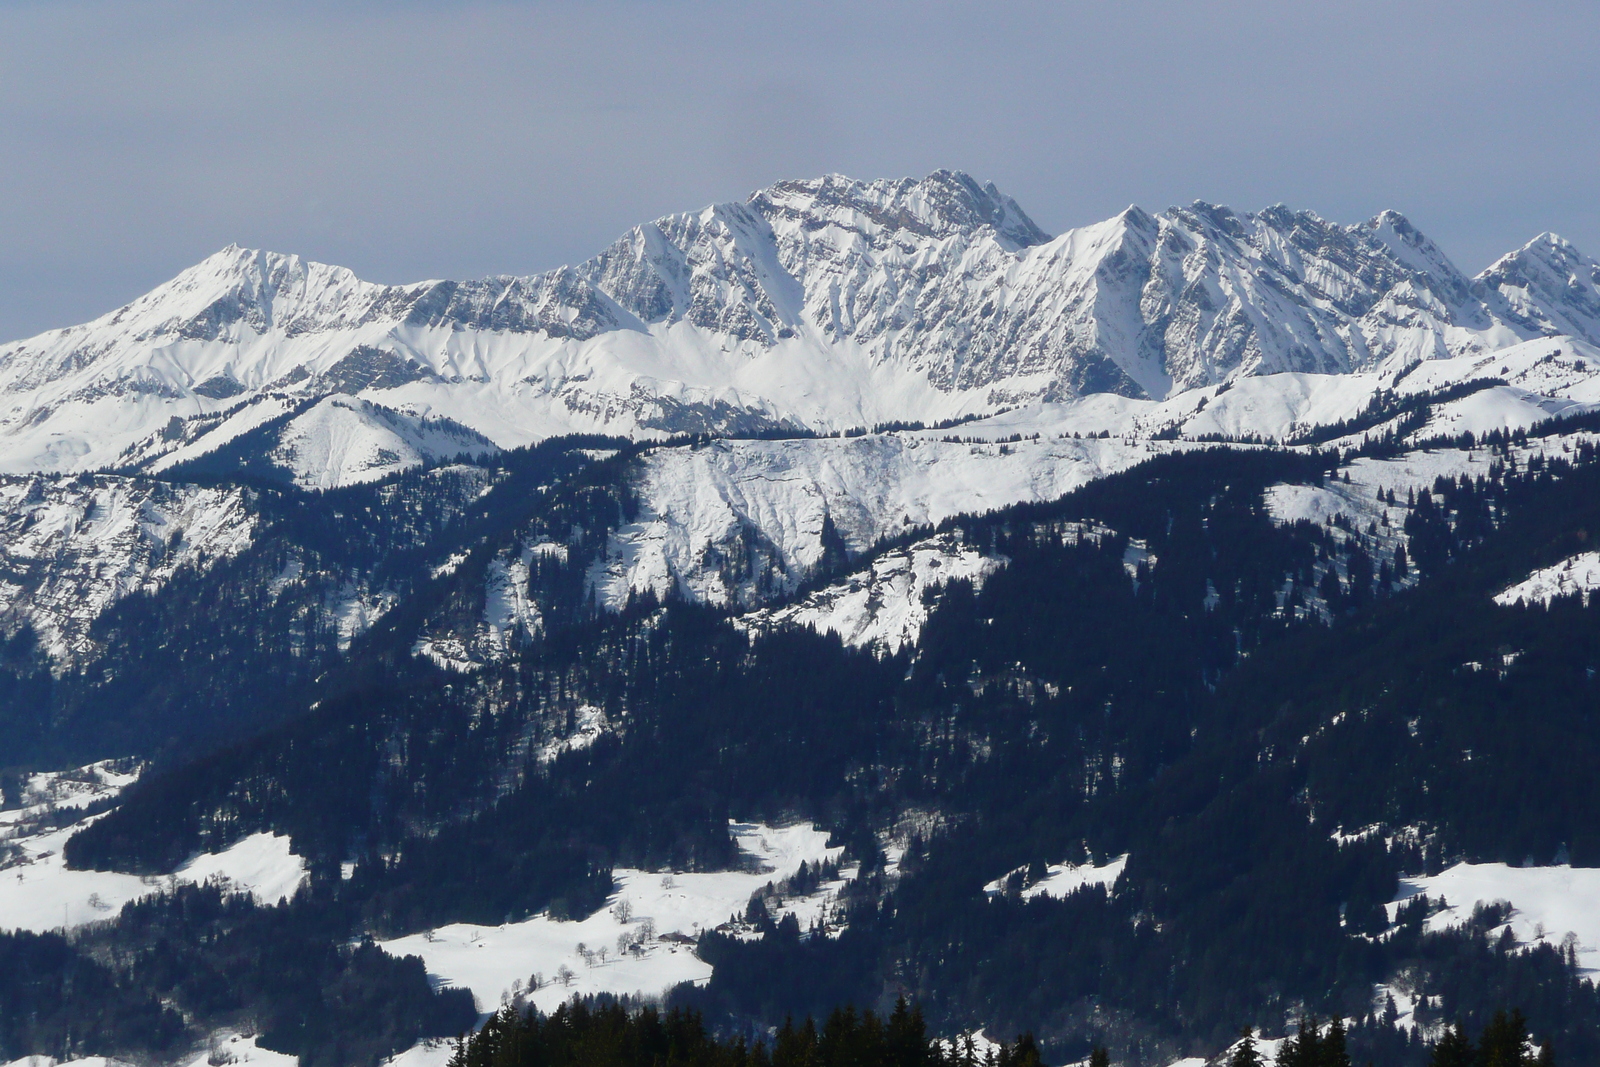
(39,892)
(828,303)
(1543,378)
(739,522)
(1060,879)
(883,607)
(71,547)
(336,441)
(1548,903)
(509,616)
(343,440)
(643,943)
(1579,574)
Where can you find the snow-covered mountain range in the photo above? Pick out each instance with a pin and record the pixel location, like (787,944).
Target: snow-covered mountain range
(823,304)
(259,507)
(814,305)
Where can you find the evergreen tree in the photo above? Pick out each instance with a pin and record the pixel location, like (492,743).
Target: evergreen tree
(1333,1052)
(1303,1048)
(1245,1053)
(1504,1041)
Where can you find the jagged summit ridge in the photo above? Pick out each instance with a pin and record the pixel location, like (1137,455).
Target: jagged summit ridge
(826,302)
(1547,286)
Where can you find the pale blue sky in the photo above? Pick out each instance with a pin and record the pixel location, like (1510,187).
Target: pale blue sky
(415,140)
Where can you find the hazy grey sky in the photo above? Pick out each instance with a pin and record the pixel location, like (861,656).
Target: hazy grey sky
(420,139)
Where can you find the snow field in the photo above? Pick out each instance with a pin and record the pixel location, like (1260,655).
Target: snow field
(701,506)
(1062,879)
(882,607)
(645,933)
(1575,574)
(1548,902)
(38,892)
(429,1052)
(226,1048)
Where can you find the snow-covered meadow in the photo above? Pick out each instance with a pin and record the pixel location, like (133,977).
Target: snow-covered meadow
(39,892)
(641,943)
(1547,903)
(1577,574)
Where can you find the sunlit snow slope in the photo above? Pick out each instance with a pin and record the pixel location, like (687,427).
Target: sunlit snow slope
(826,303)
(641,944)
(738,522)
(39,892)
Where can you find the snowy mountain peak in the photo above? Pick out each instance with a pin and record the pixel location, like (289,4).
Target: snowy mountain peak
(241,287)
(1546,287)
(943,204)
(1135,217)
(825,302)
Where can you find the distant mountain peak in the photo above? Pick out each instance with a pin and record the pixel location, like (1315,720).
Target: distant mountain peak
(1545,287)
(944,203)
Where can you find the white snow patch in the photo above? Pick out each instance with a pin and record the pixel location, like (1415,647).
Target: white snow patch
(38,892)
(1548,902)
(226,1048)
(429,1052)
(83,1061)
(1405,1006)
(262,865)
(1575,574)
(1266,1047)
(674,907)
(355,607)
(883,607)
(1063,878)
(979,1043)
(589,724)
(507,609)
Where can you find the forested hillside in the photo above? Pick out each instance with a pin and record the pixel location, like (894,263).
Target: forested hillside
(1274,720)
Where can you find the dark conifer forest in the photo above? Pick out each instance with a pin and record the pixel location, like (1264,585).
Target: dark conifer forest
(1077,707)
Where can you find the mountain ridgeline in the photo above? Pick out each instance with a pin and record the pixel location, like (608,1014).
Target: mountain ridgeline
(822,304)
